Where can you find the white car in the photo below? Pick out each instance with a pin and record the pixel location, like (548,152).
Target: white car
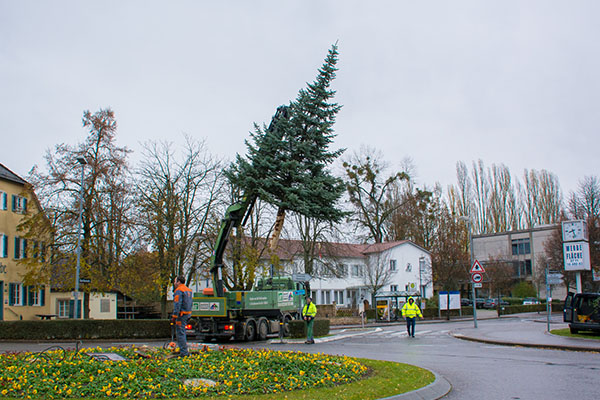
(530,300)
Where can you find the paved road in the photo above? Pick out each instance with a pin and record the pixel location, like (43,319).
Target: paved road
(476,370)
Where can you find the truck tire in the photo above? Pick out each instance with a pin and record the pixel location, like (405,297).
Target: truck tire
(250,332)
(263,329)
(573,331)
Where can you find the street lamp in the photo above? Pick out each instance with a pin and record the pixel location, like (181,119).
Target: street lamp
(421,266)
(468,221)
(78,313)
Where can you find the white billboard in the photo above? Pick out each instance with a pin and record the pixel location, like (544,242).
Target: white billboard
(576,256)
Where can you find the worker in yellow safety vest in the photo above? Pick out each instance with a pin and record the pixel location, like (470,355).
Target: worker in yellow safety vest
(309,311)
(410,311)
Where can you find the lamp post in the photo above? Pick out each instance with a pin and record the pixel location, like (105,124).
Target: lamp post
(468,221)
(77,313)
(421,266)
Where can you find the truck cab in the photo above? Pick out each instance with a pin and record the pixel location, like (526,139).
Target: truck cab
(582,312)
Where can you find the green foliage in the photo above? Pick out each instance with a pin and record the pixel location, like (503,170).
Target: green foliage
(287,162)
(84,329)
(524,289)
(298,328)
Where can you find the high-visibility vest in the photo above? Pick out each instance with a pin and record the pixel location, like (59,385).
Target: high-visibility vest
(411,310)
(309,310)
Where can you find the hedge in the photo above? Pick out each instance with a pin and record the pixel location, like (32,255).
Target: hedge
(72,329)
(298,328)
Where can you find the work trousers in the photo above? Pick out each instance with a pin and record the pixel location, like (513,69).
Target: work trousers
(410,326)
(181,336)
(309,329)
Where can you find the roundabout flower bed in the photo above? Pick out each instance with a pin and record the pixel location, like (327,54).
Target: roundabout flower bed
(74,374)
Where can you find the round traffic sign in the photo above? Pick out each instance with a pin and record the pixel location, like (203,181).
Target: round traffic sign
(476,277)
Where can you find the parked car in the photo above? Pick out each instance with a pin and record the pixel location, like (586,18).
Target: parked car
(582,311)
(530,300)
(493,303)
(479,302)
(466,302)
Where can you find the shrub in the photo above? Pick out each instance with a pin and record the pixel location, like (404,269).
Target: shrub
(298,328)
(524,289)
(72,329)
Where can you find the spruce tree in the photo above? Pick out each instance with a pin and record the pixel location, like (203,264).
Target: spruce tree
(287,163)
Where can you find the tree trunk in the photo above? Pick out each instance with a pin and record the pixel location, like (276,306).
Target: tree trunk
(272,245)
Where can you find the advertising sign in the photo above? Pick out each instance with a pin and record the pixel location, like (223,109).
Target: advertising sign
(454,300)
(577,256)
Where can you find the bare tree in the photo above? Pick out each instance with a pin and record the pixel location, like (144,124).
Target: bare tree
(368,190)
(177,198)
(377,273)
(106,223)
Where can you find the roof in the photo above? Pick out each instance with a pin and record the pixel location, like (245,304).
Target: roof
(288,249)
(8,175)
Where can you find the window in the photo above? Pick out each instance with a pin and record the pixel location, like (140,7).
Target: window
(392,265)
(3,245)
(408,267)
(342,270)
(15,294)
(35,297)
(520,246)
(338,296)
(393,288)
(104,305)
(19,204)
(63,307)
(357,270)
(3,201)
(20,248)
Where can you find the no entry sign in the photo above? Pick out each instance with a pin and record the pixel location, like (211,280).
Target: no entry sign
(476,277)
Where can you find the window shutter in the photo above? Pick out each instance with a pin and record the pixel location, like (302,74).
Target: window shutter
(4,200)
(14,203)
(24,249)
(24,204)
(71,308)
(23,295)
(29,295)
(4,245)
(43,297)
(17,247)
(11,294)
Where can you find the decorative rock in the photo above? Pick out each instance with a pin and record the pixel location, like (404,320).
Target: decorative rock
(197,382)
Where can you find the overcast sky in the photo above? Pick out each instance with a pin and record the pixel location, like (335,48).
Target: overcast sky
(512,82)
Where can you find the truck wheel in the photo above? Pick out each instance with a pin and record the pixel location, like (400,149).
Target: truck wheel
(250,330)
(573,330)
(263,329)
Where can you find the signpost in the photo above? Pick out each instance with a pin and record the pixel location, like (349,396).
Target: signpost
(476,272)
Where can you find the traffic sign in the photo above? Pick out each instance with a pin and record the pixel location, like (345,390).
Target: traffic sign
(478,285)
(476,277)
(554,279)
(301,277)
(477,268)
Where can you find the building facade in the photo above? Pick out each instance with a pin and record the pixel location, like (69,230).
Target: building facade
(18,300)
(521,250)
(342,272)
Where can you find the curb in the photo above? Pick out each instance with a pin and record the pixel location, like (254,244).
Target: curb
(435,390)
(529,345)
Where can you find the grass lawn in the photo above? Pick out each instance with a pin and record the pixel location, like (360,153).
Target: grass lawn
(582,334)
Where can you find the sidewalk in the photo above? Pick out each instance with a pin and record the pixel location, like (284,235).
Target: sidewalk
(531,332)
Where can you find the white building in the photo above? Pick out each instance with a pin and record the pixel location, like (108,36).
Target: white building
(341,271)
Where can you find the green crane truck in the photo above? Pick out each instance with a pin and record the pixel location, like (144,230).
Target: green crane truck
(244,315)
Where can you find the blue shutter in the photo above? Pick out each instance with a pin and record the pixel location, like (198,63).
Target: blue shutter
(4,201)
(4,246)
(30,294)
(23,295)
(24,249)
(11,293)
(24,204)
(71,308)
(14,203)
(43,297)
(17,247)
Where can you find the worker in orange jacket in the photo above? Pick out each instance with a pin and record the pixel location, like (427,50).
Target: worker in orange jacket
(182,311)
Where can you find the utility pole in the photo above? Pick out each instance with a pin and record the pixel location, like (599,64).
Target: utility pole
(468,221)
(78,314)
